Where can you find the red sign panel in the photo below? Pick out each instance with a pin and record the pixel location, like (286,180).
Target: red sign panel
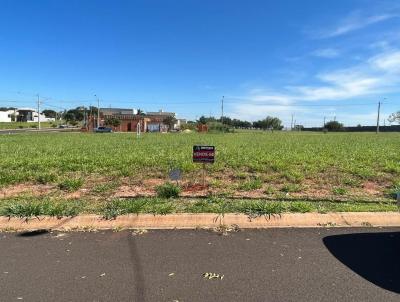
(203,154)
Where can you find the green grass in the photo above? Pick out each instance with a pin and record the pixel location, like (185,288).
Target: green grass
(34,207)
(71,184)
(252,184)
(22,125)
(27,207)
(289,162)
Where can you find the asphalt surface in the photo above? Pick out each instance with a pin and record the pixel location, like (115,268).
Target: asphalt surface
(32,130)
(258,265)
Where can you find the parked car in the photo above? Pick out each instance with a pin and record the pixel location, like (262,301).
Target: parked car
(102,130)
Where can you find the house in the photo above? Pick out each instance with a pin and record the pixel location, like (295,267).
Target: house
(7,116)
(157,121)
(23,115)
(117,111)
(130,120)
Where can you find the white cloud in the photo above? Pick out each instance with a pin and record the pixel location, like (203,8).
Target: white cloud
(355,21)
(387,62)
(374,77)
(328,53)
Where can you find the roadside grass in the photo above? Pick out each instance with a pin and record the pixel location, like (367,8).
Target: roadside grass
(27,207)
(35,207)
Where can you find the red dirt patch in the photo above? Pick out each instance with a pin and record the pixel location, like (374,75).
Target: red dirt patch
(371,188)
(133,191)
(153,182)
(15,190)
(195,190)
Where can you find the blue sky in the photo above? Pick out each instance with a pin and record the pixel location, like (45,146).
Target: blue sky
(307,58)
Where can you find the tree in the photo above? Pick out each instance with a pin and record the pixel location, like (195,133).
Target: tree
(170,121)
(269,123)
(112,121)
(202,120)
(334,126)
(49,113)
(140,112)
(394,117)
(74,116)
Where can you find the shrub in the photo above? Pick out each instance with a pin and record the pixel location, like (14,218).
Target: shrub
(71,184)
(168,190)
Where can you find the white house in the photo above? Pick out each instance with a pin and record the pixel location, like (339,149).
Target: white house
(23,115)
(6,116)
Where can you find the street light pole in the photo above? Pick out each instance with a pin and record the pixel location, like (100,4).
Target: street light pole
(38,109)
(379,113)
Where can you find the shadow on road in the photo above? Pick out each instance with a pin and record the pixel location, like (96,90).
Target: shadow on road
(33,233)
(137,270)
(373,256)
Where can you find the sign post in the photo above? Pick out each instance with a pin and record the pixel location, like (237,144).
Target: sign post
(204,155)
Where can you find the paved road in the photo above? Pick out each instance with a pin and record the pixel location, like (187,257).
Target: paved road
(258,265)
(32,130)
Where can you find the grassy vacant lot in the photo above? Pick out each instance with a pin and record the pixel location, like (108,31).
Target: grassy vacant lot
(97,170)
(21,125)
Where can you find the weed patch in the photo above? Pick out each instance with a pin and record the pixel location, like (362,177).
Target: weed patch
(71,184)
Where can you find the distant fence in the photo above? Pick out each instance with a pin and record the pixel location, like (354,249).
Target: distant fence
(393,128)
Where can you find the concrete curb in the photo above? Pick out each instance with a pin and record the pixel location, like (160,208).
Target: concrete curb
(191,221)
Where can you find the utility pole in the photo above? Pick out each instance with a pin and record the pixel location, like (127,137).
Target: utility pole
(84,116)
(222,110)
(377,119)
(98,111)
(38,109)
(324,121)
(291,123)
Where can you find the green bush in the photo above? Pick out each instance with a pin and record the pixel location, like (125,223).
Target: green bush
(168,190)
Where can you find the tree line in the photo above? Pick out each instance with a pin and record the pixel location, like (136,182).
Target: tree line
(268,123)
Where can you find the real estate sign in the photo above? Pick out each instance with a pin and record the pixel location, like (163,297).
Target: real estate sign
(203,154)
